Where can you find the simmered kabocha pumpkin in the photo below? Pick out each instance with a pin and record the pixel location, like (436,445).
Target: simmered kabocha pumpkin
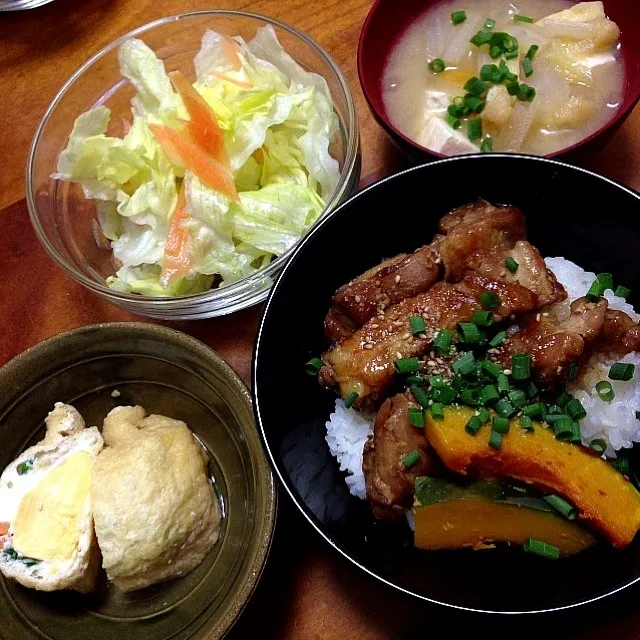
(602,495)
(449,515)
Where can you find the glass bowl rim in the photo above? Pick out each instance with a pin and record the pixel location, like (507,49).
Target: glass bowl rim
(219,295)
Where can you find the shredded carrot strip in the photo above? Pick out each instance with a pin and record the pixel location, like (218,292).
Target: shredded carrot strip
(223,76)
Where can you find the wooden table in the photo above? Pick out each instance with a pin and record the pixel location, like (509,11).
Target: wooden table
(308,591)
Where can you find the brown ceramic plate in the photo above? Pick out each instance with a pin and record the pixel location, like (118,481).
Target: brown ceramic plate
(168,373)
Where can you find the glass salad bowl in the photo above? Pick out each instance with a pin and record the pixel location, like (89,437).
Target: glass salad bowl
(66,222)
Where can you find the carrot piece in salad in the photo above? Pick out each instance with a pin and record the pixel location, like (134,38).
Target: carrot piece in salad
(227,78)
(178,250)
(231,50)
(202,125)
(4,528)
(183,151)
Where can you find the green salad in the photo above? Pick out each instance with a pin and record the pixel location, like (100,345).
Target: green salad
(213,179)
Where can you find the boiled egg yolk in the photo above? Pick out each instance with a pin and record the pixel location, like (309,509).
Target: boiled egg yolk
(47,525)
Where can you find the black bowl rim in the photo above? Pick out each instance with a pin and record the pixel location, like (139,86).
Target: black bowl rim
(259,336)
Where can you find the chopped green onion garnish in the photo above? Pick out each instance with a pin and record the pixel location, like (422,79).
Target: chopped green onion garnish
(488,394)
(503,383)
(532,390)
(475,104)
(436,382)
(488,71)
(561,506)
(526,423)
(487,145)
(519,18)
(458,101)
(437,65)
(527,67)
(350,399)
(407,365)
(491,368)
(510,55)
(483,414)
(411,458)
(539,548)
(495,440)
(469,397)
(573,370)
(622,465)
(521,366)
(417,325)
(534,410)
(533,49)
(482,318)
(513,88)
(313,366)
(458,16)
(454,123)
(552,417)
(416,379)
(474,129)
(446,394)
(473,425)
(605,391)
(498,339)
(443,340)
(517,398)
(511,264)
(526,93)
(416,417)
(500,425)
(565,429)
(465,364)
(504,409)
(563,398)
(469,333)
(475,86)
(495,51)
(598,445)
(24,467)
(606,281)
(489,23)
(455,111)
(489,300)
(595,291)
(420,395)
(575,409)
(482,37)
(622,371)
(437,411)
(622,292)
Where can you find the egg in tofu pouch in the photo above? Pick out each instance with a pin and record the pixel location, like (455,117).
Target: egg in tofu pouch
(156,515)
(47,540)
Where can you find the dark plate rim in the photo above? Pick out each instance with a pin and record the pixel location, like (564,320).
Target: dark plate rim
(256,354)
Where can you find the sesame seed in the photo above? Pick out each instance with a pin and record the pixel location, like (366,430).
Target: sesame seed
(406,336)
(438,260)
(507,372)
(430,402)
(357,298)
(422,336)
(374,326)
(545,313)
(559,370)
(538,317)
(368,345)
(398,355)
(397,279)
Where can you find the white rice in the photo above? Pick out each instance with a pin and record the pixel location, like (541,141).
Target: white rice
(347,432)
(614,422)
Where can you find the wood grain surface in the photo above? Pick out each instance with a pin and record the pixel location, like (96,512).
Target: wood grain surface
(308,591)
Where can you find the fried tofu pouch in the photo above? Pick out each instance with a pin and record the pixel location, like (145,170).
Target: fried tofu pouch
(155,513)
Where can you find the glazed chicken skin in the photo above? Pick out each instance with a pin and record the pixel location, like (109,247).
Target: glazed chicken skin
(475,227)
(371,293)
(555,344)
(364,362)
(389,483)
